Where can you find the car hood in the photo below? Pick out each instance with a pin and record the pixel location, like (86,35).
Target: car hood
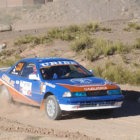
(85,84)
(82,81)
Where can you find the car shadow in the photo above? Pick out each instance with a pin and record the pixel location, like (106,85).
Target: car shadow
(130,107)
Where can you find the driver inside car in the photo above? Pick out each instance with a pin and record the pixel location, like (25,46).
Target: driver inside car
(34,74)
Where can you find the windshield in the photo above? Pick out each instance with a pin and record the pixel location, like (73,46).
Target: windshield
(64,72)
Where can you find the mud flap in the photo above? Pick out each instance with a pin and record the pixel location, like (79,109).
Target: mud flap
(42,106)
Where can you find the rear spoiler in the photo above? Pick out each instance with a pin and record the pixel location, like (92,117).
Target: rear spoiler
(4,69)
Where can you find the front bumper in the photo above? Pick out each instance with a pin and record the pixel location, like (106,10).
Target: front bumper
(91,107)
(91,103)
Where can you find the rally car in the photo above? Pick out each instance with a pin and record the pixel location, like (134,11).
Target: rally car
(58,85)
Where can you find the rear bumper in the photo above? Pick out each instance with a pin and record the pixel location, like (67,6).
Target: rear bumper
(91,107)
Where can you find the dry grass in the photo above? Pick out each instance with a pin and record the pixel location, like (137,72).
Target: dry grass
(94,48)
(84,42)
(68,33)
(116,73)
(132,26)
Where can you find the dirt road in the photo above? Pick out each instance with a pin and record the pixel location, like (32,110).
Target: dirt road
(18,121)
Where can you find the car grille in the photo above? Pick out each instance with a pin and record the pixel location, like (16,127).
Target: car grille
(95,103)
(97,93)
(98,104)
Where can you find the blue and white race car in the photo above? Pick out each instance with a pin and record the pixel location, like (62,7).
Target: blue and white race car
(57,85)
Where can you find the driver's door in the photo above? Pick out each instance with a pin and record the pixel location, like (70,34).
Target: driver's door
(31,88)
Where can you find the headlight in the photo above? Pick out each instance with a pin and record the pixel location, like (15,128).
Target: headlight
(74,94)
(79,94)
(67,94)
(114,92)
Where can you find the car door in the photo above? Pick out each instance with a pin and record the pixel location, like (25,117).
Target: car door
(14,81)
(30,87)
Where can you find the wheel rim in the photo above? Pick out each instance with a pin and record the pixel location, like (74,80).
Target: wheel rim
(51,108)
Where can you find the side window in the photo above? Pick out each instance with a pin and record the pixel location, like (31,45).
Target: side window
(28,69)
(17,69)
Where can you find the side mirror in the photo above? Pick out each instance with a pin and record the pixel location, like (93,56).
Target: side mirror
(91,71)
(34,76)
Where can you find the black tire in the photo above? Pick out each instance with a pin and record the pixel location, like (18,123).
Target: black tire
(4,94)
(52,108)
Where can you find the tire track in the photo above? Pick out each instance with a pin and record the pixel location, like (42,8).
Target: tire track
(15,126)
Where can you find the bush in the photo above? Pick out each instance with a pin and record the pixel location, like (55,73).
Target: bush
(137,44)
(100,47)
(119,47)
(109,49)
(69,33)
(33,40)
(73,29)
(105,29)
(94,48)
(94,27)
(54,33)
(116,73)
(92,54)
(91,27)
(28,39)
(84,42)
(132,25)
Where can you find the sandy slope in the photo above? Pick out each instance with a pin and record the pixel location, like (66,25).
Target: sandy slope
(26,122)
(64,12)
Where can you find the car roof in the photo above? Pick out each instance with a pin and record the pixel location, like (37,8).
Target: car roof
(45,59)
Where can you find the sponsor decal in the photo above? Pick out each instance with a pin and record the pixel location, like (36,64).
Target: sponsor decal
(87,85)
(81,81)
(14,72)
(17,82)
(50,85)
(43,88)
(8,80)
(95,88)
(25,88)
(19,66)
(58,63)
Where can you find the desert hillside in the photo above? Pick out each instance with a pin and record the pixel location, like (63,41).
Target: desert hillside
(66,12)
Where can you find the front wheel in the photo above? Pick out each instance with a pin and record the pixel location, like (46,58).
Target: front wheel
(52,108)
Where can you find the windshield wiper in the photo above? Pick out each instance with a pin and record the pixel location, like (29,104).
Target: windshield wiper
(88,75)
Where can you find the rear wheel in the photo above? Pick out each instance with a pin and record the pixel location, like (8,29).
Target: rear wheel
(4,94)
(52,108)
